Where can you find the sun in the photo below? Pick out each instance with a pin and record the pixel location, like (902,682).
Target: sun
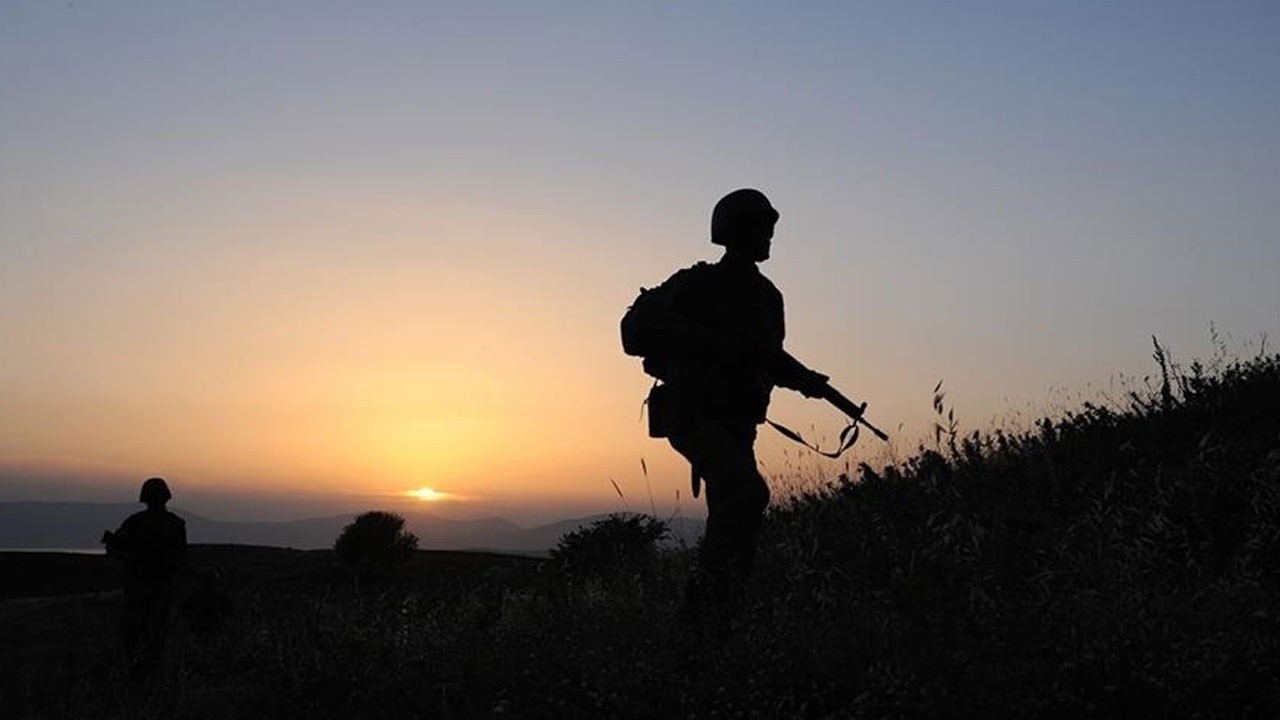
(427,494)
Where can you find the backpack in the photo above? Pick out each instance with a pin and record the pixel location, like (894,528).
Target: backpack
(642,329)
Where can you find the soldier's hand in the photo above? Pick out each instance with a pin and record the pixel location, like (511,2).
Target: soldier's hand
(815,385)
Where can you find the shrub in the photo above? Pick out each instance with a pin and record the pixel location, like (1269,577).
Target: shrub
(375,543)
(609,544)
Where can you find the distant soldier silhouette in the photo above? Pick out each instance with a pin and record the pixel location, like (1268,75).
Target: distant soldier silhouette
(152,546)
(713,334)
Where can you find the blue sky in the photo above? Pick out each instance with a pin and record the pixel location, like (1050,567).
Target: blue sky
(307,247)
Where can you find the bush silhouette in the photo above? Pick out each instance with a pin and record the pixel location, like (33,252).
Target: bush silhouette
(375,543)
(609,544)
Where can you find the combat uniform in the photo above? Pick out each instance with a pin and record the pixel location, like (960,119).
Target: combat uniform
(152,544)
(727,329)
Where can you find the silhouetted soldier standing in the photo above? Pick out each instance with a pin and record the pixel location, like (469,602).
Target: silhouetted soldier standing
(152,545)
(713,334)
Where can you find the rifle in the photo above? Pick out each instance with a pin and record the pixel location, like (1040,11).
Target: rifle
(785,365)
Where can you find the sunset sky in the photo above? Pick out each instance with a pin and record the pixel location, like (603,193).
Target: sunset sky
(305,257)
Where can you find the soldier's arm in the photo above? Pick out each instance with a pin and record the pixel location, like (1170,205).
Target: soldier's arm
(783,368)
(120,543)
(790,373)
(174,553)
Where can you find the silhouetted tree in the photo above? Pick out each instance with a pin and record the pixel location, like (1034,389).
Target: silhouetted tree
(608,544)
(375,543)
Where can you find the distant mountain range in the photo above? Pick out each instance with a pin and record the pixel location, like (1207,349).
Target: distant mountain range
(80,525)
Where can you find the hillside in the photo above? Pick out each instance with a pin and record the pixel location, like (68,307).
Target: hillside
(1118,561)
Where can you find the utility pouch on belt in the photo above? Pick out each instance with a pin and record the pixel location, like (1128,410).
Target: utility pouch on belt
(659,407)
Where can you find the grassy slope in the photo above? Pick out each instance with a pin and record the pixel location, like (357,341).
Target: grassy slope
(1119,562)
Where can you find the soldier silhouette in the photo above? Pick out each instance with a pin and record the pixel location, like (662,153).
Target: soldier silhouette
(713,334)
(152,546)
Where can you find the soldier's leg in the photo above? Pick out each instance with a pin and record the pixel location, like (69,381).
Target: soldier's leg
(133,620)
(158,623)
(737,496)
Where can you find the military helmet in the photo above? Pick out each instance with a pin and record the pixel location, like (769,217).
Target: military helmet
(738,210)
(155,490)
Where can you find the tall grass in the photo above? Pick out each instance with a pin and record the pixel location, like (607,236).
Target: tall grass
(1116,561)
